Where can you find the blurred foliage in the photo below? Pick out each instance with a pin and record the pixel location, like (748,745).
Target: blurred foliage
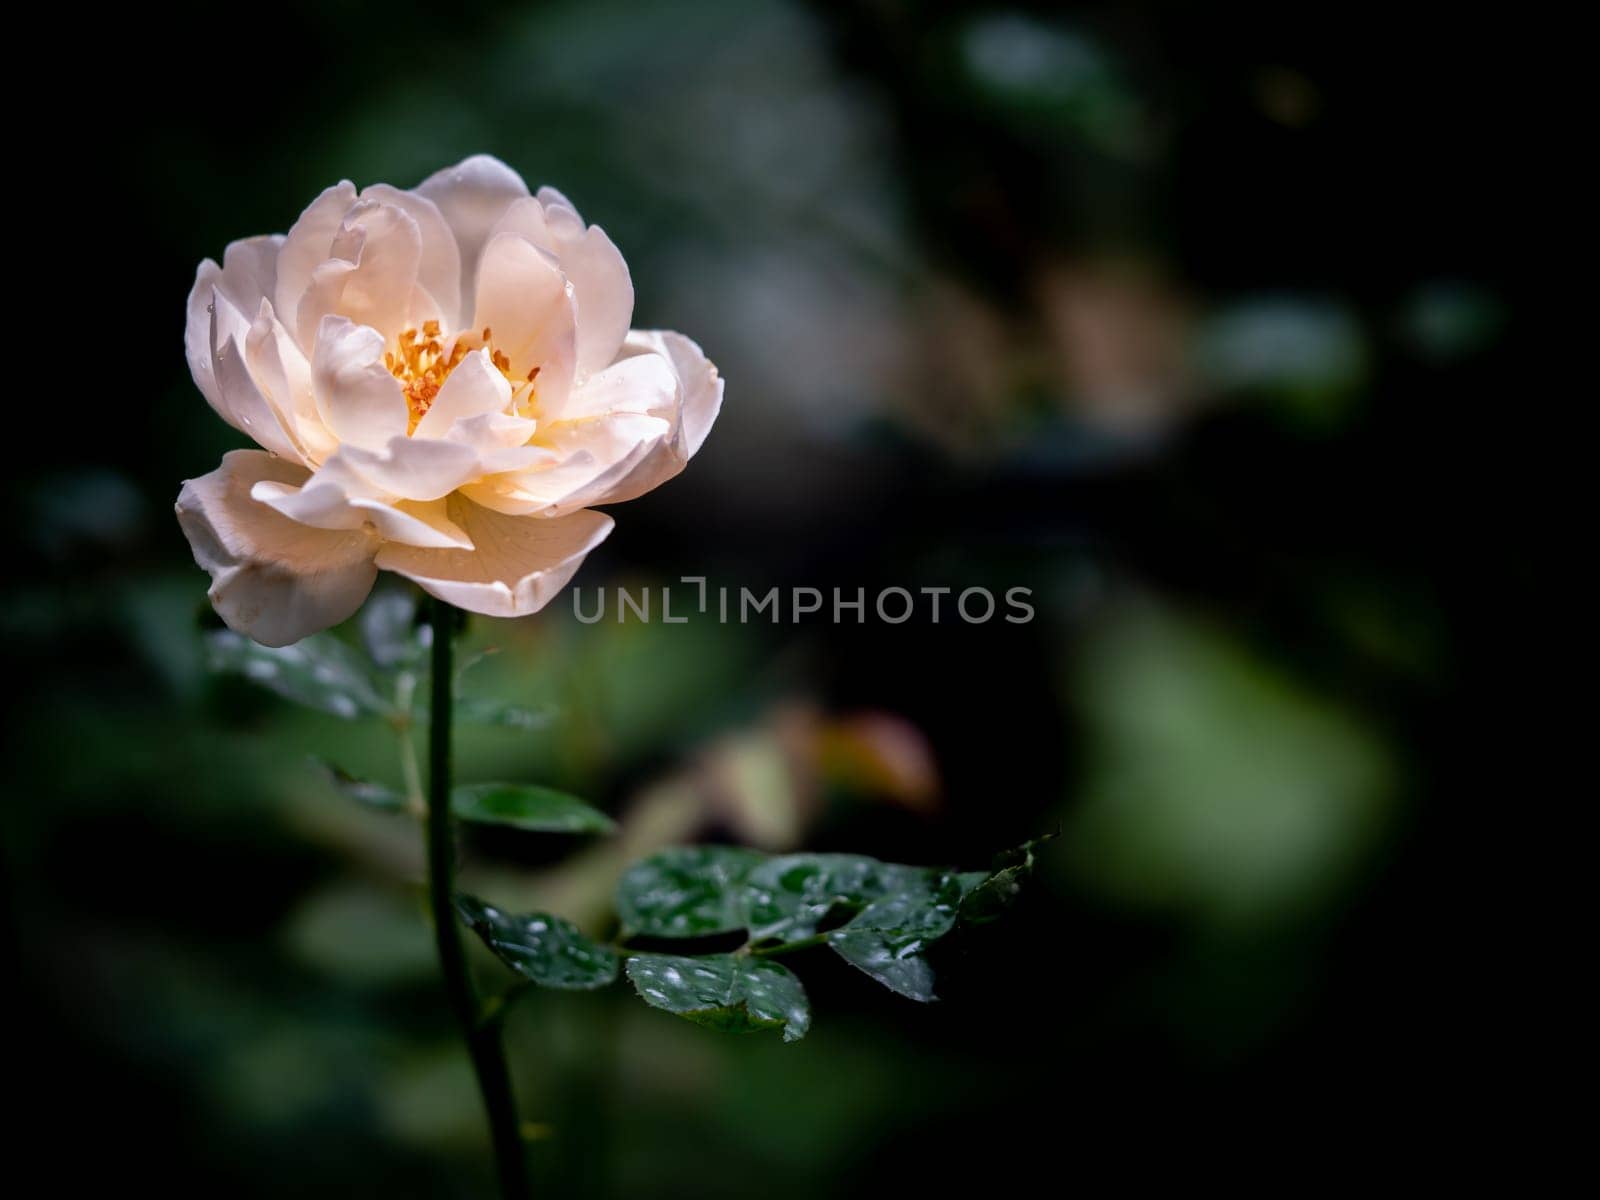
(1183,316)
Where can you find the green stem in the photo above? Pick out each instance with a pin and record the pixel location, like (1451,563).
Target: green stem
(482,1038)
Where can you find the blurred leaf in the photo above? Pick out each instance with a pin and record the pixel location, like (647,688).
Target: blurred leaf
(481,710)
(366,791)
(320,672)
(390,632)
(727,992)
(527,806)
(690,891)
(986,897)
(548,950)
(788,897)
(889,936)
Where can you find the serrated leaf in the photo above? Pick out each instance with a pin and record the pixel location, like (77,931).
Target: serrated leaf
(320,672)
(365,791)
(691,891)
(788,897)
(888,938)
(727,992)
(986,895)
(548,950)
(390,632)
(527,806)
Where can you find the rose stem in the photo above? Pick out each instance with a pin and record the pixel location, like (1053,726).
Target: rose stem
(482,1037)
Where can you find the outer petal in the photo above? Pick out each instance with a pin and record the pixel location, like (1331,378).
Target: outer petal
(359,401)
(415,468)
(283,373)
(338,497)
(518,567)
(245,276)
(591,457)
(524,299)
(698,379)
(307,246)
(271,579)
(472,196)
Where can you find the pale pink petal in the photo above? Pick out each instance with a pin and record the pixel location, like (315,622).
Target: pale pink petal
(308,245)
(523,299)
(271,579)
(370,275)
(439,271)
(518,564)
(357,398)
(474,388)
(414,468)
(283,373)
(472,196)
(244,278)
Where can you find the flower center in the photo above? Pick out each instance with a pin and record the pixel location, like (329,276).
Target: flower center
(423,363)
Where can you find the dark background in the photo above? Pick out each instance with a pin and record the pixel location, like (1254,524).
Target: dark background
(1197,320)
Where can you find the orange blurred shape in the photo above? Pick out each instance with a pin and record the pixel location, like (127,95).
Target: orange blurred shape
(879,754)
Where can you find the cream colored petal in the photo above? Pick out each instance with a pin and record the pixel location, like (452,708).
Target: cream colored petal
(414,468)
(370,276)
(271,579)
(249,409)
(699,379)
(472,196)
(419,523)
(524,300)
(308,245)
(590,458)
(643,383)
(357,398)
(518,566)
(440,269)
(283,373)
(474,388)
(245,276)
(526,217)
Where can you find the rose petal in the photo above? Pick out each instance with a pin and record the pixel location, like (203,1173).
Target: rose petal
(414,468)
(370,275)
(357,398)
(244,278)
(475,387)
(524,301)
(591,458)
(271,579)
(284,376)
(519,565)
(472,196)
(439,271)
(699,379)
(307,246)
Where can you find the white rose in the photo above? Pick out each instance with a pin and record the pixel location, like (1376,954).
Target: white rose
(442,381)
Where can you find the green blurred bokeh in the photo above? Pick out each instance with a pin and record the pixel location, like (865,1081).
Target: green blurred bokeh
(1160,311)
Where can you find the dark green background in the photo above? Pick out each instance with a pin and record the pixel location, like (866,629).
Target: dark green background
(1188,317)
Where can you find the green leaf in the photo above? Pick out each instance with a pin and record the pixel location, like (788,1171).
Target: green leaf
(526,806)
(986,896)
(365,791)
(728,992)
(691,891)
(788,897)
(482,711)
(390,632)
(887,940)
(320,672)
(548,950)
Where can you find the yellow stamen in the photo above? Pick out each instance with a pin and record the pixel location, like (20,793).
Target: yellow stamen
(421,365)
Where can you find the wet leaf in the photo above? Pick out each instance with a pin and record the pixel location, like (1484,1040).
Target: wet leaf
(727,992)
(987,895)
(788,897)
(320,672)
(527,806)
(390,632)
(691,891)
(548,950)
(888,939)
(365,791)
(482,711)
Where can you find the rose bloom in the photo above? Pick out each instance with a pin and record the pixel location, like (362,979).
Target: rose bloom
(442,381)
